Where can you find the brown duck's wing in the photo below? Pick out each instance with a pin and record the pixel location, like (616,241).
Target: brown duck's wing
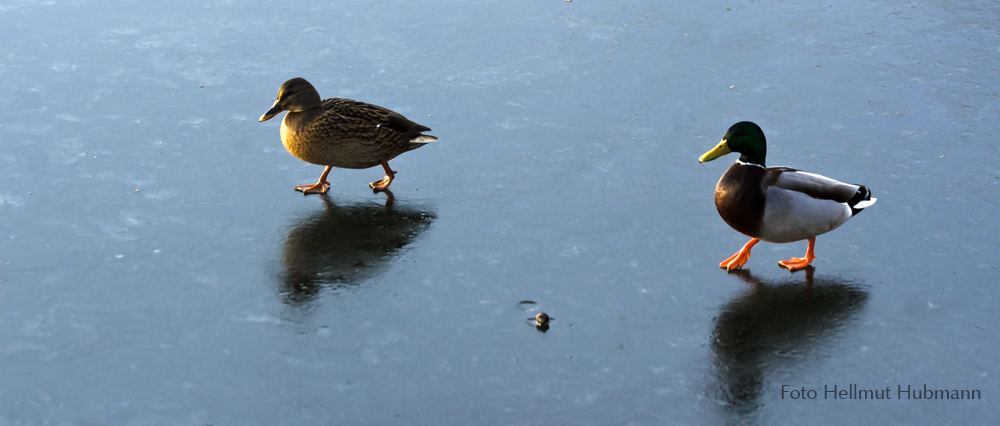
(811,184)
(368,115)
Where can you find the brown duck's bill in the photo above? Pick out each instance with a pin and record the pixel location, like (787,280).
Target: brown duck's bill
(275,110)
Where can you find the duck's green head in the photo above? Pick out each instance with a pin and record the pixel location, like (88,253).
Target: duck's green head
(295,95)
(745,138)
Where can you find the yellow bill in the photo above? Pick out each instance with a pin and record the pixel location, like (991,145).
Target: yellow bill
(721,149)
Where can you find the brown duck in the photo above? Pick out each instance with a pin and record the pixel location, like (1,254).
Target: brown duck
(342,133)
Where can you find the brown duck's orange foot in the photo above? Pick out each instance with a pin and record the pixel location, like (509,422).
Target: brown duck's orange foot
(739,259)
(796,263)
(319,187)
(316,188)
(381,185)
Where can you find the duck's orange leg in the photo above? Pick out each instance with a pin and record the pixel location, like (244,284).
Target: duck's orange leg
(797,263)
(319,187)
(739,259)
(382,185)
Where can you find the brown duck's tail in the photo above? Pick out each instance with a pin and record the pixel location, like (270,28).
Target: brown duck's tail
(415,135)
(423,139)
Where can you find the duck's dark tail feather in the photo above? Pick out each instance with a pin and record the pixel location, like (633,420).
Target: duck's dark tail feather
(423,139)
(414,133)
(860,200)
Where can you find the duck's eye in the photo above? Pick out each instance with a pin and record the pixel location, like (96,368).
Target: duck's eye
(740,133)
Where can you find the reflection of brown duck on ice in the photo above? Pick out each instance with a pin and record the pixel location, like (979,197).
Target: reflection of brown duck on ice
(343,245)
(774,323)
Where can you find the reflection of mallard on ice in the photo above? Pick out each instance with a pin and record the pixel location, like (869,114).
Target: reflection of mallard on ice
(775,326)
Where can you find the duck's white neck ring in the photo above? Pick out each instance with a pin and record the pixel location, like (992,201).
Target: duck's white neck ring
(750,164)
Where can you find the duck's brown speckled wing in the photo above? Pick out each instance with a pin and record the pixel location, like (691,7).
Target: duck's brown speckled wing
(351,134)
(363,115)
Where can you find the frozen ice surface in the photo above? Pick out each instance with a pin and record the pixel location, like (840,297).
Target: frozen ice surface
(156,266)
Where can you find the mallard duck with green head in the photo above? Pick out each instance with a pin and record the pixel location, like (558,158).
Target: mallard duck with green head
(778,204)
(342,133)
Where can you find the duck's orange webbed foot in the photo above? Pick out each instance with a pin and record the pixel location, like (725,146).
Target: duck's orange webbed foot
(317,188)
(382,185)
(739,259)
(797,263)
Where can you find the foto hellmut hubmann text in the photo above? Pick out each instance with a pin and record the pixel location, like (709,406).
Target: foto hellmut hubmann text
(854,391)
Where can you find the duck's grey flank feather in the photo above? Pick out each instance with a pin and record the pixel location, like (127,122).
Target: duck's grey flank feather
(812,184)
(792,216)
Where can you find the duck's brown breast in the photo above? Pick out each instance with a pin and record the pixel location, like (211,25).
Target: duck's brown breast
(740,198)
(309,146)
